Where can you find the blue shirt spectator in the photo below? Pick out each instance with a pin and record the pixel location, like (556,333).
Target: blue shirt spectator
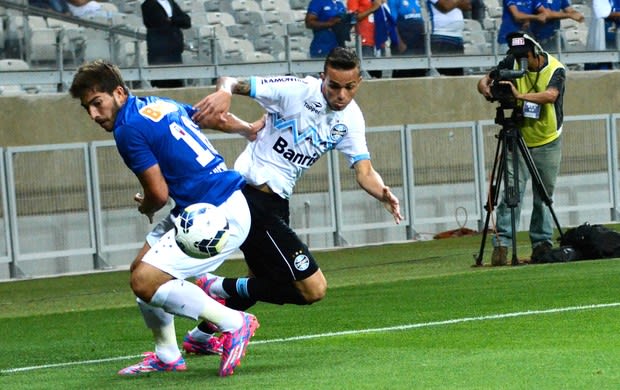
(545,33)
(517,16)
(612,23)
(410,27)
(59,6)
(321,17)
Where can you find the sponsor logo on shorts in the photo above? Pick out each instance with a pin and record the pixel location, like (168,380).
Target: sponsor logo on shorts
(301,262)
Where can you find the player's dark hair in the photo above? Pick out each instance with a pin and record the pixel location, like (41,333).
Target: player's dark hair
(97,75)
(341,58)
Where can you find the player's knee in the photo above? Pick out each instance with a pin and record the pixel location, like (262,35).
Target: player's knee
(315,295)
(141,283)
(315,291)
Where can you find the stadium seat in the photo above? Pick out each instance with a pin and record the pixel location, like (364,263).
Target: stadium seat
(299,4)
(275,5)
(73,40)
(130,21)
(254,18)
(12,65)
(216,5)
(584,8)
(476,42)
(295,55)
(569,24)
(299,43)
(97,45)
(576,36)
(240,30)
(223,18)
(41,45)
(271,30)
(269,44)
(245,5)
(233,50)
(472,25)
(495,12)
(257,56)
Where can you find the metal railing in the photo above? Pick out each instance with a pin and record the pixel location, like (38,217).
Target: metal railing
(80,216)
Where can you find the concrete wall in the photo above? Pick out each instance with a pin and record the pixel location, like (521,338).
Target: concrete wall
(57,118)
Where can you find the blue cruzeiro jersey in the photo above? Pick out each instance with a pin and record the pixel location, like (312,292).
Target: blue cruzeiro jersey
(152,130)
(508,24)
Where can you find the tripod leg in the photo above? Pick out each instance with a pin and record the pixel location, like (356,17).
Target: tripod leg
(513,195)
(494,184)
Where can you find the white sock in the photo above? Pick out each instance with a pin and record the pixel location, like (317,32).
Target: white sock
(199,335)
(183,298)
(217,287)
(224,318)
(166,346)
(180,297)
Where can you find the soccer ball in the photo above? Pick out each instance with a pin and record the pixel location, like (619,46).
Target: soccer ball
(201,230)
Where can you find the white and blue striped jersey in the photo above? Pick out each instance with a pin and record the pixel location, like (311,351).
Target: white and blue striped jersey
(300,128)
(152,130)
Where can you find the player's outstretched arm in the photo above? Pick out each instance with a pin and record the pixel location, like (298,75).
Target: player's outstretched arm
(234,124)
(216,105)
(371,182)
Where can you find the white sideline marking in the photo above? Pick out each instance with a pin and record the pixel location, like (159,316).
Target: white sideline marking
(348,332)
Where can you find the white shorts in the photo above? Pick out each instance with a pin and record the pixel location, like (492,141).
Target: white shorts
(166,255)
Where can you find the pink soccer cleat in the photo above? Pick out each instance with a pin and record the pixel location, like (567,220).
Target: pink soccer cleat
(151,363)
(235,344)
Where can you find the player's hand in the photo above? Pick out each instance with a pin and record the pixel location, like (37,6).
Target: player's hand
(139,198)
(254,128)
(391,204)
(212,109)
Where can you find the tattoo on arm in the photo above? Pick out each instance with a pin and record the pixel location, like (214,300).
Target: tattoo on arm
(242,88)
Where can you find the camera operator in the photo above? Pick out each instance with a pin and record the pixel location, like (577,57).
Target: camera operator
(538,93)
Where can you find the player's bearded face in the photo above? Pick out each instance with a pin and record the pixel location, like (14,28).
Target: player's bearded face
(340,86)
(102,107)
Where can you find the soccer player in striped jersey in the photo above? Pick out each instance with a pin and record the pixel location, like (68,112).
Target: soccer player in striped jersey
(306,117)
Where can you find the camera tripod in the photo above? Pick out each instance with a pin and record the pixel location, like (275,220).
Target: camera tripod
(511,141)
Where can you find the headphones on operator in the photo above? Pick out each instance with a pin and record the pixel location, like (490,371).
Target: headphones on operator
(520,44)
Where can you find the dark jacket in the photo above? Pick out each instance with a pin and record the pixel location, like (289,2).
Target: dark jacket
(164,38)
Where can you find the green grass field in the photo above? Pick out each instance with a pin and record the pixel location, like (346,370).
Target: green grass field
(397,316)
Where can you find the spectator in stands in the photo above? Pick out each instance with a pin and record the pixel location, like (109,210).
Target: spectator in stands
(410,28)
(477,12)
(164,20)
(365,28)
(602,30)
(517,16)
(604,24)
(59,6)
(323,17)
(87,8)
(546,33)
(447,29)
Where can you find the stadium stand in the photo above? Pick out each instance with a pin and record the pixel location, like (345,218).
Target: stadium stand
(238,30)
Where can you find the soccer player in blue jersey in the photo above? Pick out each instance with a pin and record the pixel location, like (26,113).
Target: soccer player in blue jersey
(306,118)
(171,158)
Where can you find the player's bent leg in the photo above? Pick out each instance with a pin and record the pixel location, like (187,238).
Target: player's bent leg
(313,288)
(146,279)
(167,356)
